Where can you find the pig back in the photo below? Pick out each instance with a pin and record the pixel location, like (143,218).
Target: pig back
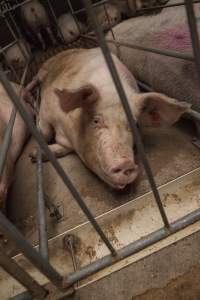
(167,31)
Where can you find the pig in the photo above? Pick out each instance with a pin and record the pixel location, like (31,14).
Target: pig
(18,55)
(35,17)
(130,7)
(107,15)
(20,135)
(81,111)
(167,30)
(69,28)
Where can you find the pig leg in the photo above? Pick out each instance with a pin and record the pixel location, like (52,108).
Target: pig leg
(40,38)
(58,150)
(51,35)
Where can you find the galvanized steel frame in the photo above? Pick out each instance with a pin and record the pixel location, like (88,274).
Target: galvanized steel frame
(40,260)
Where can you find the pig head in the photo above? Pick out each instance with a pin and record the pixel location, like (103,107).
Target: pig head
(167,30)
(84,114)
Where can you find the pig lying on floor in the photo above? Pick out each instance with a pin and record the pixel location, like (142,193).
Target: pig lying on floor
(19,136)
(167,31)
(81,110)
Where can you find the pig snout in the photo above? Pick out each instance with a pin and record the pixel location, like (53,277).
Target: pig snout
(123,172)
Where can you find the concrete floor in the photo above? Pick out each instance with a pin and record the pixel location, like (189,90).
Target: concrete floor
(170,153)
(170,274)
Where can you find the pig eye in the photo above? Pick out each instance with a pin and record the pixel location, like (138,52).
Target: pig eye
(71,32)
(97,120)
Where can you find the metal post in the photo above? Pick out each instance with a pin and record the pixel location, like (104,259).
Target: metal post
(29,252)
(124,101)
(12,268)
(194,33)
(43,235)
(39,138)
(9,129)
(165,6)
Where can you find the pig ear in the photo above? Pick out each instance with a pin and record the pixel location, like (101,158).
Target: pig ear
(72,99)
(155,109)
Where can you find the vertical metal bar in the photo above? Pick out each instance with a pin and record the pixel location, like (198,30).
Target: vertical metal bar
(193,32)
(124,101)
(55,19)
(29,252)
(43,236)
(39,138)
(74,15)
(13,269)
(9,129)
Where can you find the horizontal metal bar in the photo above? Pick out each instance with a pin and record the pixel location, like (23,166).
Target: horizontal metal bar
(169,53)
(23,296)
(13,269)
(133,248)
(75,12)
(9,7)
(40,139)
(29,252)
(165,6)
(126,107)
(9,129)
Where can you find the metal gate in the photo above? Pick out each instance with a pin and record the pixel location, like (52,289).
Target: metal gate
(41,259)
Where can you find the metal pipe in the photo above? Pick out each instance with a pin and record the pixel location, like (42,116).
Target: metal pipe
(127,110)
(43,235)
(13,269)
(165,6)
(75,12)
(9,129)
(29,252)
(193,32)
(74,16)
(23,296)
(7,9)
(169,53)
(39,138)
(133,248)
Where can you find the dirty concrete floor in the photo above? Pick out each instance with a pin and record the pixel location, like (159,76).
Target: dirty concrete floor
(173,273)
(170,153)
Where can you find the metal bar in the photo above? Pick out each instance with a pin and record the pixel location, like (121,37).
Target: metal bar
(29,252)
(7,47)
(9,129)
(43,235)
(55,20)
(152,50)
(74,16)
(133,248)
(165,6)
(22,296)
(13,269)
(11,8)
(127,110)
(39,138)
(75,12)
(193,32)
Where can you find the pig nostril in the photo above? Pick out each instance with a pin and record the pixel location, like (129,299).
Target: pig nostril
(129,171)
(117,170)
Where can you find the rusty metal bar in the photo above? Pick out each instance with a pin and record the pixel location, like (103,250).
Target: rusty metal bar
(12,268)
(127,110)
(40,139)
